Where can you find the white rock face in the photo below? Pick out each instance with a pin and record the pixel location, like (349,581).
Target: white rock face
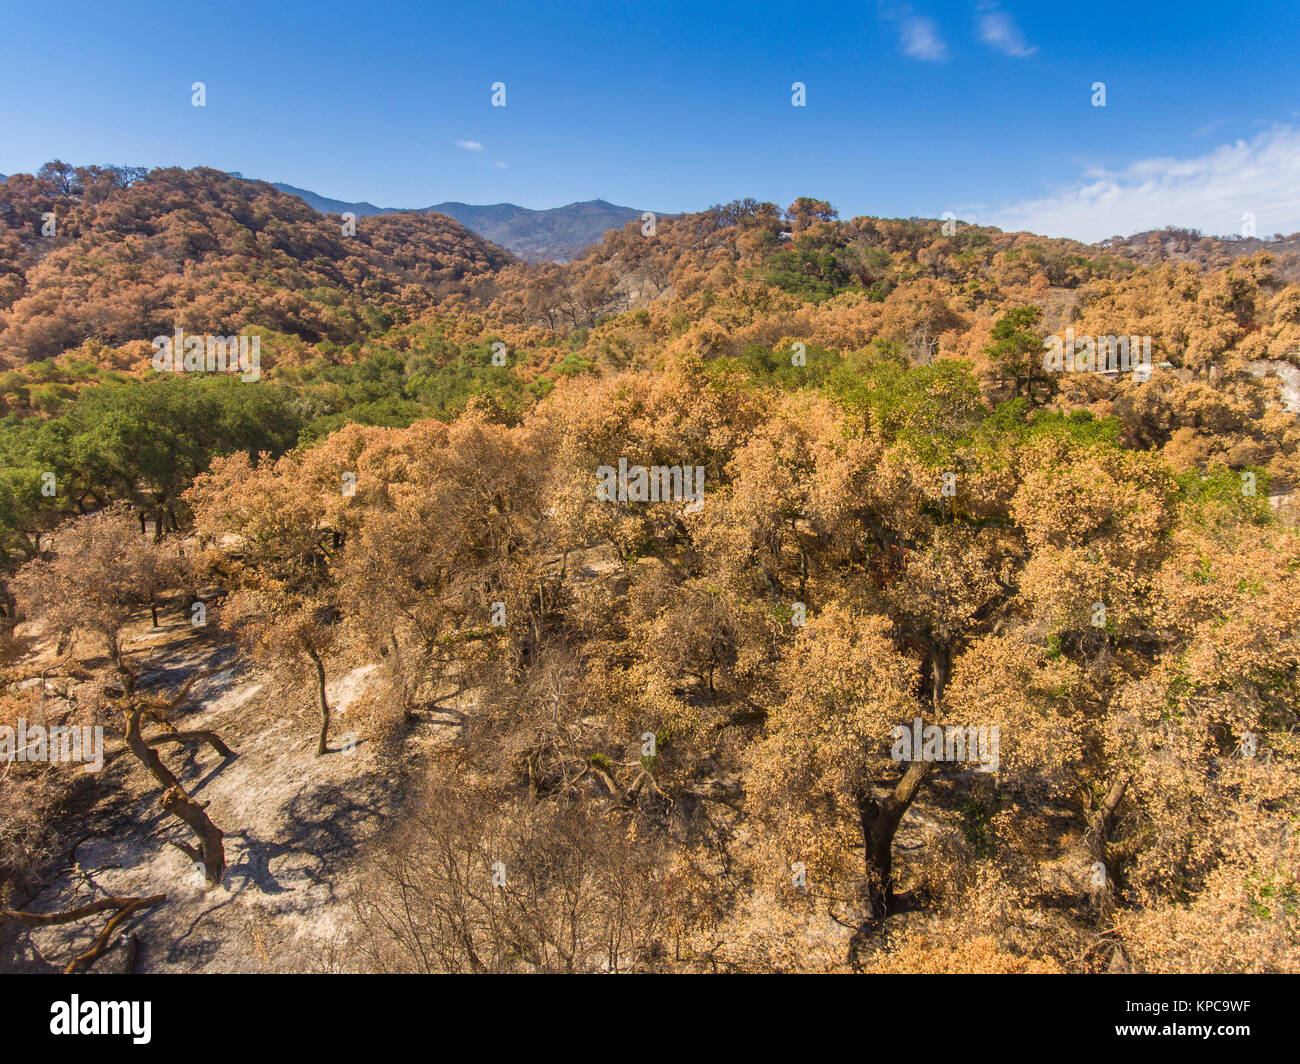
(1289,375)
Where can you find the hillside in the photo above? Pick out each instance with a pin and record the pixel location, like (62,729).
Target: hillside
(135,255)
(1190,245)
(578,617)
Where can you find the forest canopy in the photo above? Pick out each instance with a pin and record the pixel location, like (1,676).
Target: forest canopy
(657,731)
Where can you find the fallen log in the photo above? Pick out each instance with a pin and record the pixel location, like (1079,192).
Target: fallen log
(126,907)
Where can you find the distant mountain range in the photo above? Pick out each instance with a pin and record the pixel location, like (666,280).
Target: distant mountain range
(558,234)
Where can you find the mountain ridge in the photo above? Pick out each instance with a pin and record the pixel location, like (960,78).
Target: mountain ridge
(550,234)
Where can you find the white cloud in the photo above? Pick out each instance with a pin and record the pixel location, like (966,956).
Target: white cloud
(1210,192)
(469,145)
(499,165)
(921,40)
(998,30)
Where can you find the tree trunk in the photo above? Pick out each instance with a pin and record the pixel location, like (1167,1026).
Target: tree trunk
(211,851)
(940,673)
(321,748)
(1098,838)
(880,819)
(399,679)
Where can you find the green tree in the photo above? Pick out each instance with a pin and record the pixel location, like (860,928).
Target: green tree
(1018,349)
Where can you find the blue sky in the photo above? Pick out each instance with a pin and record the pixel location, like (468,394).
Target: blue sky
(913,108)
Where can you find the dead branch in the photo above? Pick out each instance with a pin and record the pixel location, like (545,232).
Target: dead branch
(101,944)
(52,919)
(209,737)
